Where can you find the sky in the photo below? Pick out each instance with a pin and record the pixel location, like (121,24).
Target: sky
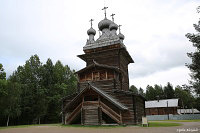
(154,34)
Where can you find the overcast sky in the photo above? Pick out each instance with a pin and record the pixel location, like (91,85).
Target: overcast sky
(154,34)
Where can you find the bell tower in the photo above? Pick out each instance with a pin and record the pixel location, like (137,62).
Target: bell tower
(108,50)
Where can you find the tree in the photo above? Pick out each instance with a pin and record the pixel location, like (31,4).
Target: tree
(134,89)
(159,91)
(34,101)
(40,87)
(195,56)
(150,93)
(186,98)
(168,91)
(2,73)
(141,92)
(12,101)
(9,97)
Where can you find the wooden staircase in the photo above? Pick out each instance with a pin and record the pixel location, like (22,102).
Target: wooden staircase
(91,113)
(115,116)
(73,114)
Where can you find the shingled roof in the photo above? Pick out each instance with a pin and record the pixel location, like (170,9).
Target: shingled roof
(99,65)
(161,103)
(100,92)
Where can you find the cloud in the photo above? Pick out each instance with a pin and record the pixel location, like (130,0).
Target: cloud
(154,32)
(176,76)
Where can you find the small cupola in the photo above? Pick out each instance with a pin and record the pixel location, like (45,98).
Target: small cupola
(91,33)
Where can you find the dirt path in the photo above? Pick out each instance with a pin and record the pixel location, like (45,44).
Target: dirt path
(55,129)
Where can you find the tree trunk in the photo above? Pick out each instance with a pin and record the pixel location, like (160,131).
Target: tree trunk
(8,120)
(39,120)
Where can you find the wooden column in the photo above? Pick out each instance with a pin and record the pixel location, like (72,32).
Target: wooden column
(134,109)
(92,76)
(99,75)
(120,117)
(82,112)
(99,111)
(81,116)
(99,100)
(106,75)
(144,107)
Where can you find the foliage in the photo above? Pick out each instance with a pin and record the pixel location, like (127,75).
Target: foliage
(141,92)
(2,73)
(34,91)
(195,57)
(150,93)
(186,98)
(134,89)
(168,91)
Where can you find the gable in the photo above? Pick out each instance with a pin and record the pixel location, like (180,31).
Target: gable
(90,88)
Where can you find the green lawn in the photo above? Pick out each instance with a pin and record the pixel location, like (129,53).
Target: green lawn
(197,120)
(23,126)
(151,124)
(94,126)
(163,124)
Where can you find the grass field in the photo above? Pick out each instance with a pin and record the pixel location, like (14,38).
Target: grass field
(24,126)
(163,124)
(166,123)
(198,120)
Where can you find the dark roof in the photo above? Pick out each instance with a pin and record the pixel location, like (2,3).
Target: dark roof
(123,49)
(109,98)
(129,93)
(100,65)
(100,92)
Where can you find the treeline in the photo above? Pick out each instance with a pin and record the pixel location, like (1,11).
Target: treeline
(33,93)
(156,92)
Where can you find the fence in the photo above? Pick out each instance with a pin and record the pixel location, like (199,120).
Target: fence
(174,117)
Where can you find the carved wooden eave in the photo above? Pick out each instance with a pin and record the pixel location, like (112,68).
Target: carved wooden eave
(95,64)
(101,50)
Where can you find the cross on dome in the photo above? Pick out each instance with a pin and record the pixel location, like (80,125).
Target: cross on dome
(112,15)
(91,21)
(105,10)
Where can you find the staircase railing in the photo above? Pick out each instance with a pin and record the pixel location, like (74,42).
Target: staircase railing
(74,113)
(111,112)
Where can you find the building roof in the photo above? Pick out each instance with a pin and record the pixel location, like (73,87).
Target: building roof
(100,92)
(109,98)
(122,49)
(161,103)
(99,65)
(187,111)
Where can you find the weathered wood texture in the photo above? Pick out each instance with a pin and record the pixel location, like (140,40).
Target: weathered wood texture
(112,57)
(106,85)
(161,111)
(112,98)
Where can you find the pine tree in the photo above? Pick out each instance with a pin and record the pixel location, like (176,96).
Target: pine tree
(195,56)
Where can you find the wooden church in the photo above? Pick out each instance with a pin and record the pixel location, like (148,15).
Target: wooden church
(103,95)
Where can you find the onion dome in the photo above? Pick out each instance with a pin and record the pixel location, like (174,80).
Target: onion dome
(121,36)
(113,26)
(91,31)
(105,23)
